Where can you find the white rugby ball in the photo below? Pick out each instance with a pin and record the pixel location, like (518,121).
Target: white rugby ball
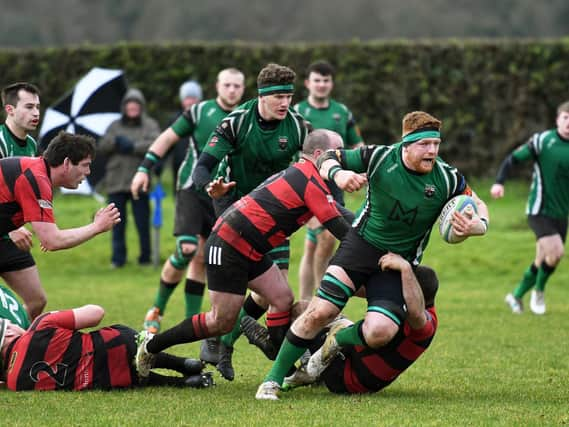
(462,203)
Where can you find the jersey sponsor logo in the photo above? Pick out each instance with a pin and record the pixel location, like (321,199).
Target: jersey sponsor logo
(429,190)
(45,204)
(399,213)
(330,198)
(210,112)
(336,117)
(213,141)
(283,142)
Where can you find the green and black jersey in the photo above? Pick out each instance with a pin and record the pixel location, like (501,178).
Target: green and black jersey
(12,309)
(12,146)
(197,122)
(401,206)
(250,153)
(549,191)
(336,117)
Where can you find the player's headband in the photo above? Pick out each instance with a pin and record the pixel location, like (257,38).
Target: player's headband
(421,133)
(272,89)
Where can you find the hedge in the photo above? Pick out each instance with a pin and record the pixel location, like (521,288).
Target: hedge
(491,95)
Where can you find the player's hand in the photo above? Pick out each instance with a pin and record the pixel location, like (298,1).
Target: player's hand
(349,181)
(140,181)
(22,238)
(467,223)
(497,191)
(218,187)
(391,261)
(107,217)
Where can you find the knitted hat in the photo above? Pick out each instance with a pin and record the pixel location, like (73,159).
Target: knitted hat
(418,125)
(191,88)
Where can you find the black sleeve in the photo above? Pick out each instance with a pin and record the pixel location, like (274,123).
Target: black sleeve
(346,213)
(505,169)
(338,227)
(202,172)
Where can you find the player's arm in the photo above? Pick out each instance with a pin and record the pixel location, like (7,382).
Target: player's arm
(220,143)
(519,155)
(353,134)
(344,167)
(53,239)
(412,293)
(88,316)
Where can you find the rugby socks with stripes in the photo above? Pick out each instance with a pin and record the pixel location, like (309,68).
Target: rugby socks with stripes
(352,335)
(292,348)
(250,308)
(527,282)
(163,295)
(193,294)
(277,325)
(189,330)
(543,273)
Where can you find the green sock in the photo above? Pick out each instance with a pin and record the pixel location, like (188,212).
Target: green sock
(288,354)
(527,282)
(543,273)
(351,335)
(163,295)
(193,294)
(229,338)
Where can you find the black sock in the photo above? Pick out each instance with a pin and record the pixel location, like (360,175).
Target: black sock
(252,308)
(183,332)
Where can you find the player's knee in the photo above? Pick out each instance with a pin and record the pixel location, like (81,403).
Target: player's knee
(317,319)
(283,301)
(378,334)
(186,247)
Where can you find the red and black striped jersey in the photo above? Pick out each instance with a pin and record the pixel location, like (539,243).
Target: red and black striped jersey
(264,218)
(369,370)
(25,192)
(52,355)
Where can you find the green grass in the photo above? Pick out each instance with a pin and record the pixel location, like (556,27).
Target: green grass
(485,366)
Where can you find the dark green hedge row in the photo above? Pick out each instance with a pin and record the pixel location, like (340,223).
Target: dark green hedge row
(490,95)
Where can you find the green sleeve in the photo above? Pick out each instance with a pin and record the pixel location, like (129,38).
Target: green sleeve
(183,126)
(352,160)
(523,153)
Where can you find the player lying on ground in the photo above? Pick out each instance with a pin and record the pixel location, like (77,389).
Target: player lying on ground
(54,355)
(359,368)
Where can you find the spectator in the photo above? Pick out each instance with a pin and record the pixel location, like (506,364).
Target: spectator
(125,144)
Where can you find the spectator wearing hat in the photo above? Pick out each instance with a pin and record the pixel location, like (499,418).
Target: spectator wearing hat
(125,144)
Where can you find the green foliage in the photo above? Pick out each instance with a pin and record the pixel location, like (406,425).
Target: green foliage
(485,367)
(491,95)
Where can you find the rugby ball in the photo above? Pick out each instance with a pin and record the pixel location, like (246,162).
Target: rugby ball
(462,203)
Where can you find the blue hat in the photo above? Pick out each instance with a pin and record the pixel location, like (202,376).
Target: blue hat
(191,88)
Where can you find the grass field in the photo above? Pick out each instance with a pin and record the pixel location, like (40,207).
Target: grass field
(485,366)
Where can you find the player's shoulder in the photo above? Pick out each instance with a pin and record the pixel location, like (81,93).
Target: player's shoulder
(339,106)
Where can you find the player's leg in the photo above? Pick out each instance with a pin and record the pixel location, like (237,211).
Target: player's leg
(195,281)
(227,275)
(307,281)
(189,217)
(26,283)
(323,254)
(18,269)
(118,233)
(141,213)
(550,252)
(183,365)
